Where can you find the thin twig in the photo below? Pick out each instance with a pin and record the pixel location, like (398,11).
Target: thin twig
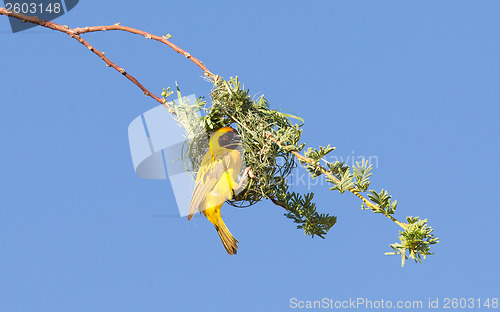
(162,39)
(278,203)
(75,34)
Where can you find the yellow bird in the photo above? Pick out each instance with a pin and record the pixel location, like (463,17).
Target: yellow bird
(216,182)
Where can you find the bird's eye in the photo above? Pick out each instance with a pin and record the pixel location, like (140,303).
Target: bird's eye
(224,138)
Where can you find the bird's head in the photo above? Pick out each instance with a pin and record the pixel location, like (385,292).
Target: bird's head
(225,137)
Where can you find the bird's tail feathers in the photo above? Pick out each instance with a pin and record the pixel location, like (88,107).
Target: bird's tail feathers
(230,243)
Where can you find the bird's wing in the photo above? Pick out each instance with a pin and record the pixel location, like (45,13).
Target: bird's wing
(208,176)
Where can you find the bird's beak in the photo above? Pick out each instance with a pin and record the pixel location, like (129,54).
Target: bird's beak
(236,139)
(235,142)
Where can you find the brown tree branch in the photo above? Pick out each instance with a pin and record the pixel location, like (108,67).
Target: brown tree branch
(162,39)
(75,34)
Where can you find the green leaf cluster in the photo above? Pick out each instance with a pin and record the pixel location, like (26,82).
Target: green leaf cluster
(316,155)
(415,241)
(302,211)
(383,200)
(362,174)
(345,181)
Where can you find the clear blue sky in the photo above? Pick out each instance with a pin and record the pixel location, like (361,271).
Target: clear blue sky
(415,84)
